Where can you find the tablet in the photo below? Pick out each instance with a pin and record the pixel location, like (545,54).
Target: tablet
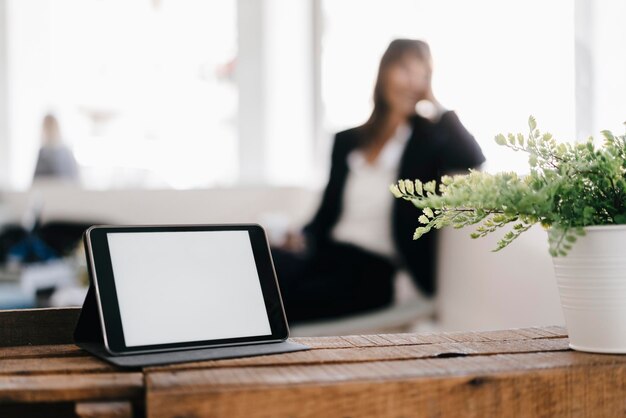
(162,288)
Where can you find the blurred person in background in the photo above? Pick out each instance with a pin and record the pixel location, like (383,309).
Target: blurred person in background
(55,160)
(360,238)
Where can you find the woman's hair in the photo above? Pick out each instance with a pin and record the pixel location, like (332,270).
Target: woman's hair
(396,51)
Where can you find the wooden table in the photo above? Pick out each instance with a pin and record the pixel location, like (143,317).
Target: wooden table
(43,375)
(516,373)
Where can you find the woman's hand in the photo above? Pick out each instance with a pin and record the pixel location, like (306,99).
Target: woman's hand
(295,241)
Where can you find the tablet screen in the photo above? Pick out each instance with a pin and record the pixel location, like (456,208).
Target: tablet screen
(194,286)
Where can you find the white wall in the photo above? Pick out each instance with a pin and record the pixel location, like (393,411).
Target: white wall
(28,70)
(289,86)
(4,105)
(275,74)
(600,67)
(250,75)
(272,205)
(483,290)
(609,65)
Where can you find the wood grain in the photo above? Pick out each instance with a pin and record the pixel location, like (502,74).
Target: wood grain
(53,365)
(379,353)
(104,410)
(70,388)
(42,374)
(511,385)
(40,351)
(513,373)
(37,326)
(383,340)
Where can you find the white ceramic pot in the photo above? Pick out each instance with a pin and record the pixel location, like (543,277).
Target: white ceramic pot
(592,285)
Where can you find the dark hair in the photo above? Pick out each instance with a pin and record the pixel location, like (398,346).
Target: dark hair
(396,51)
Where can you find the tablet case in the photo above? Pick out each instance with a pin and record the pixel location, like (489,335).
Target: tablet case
(89,336)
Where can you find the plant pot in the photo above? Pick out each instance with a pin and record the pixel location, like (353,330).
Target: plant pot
(592,285)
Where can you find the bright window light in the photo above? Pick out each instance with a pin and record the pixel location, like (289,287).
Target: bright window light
(495,63)
(144,90)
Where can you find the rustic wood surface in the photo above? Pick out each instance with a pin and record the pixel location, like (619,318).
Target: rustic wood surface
(37,326)
(517,373)
(43,378)
(60,378)
(104,410)
(42,374)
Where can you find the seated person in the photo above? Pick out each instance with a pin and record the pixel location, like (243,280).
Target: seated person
(361,236)
(55,159)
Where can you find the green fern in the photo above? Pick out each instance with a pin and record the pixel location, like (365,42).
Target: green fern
(570,186)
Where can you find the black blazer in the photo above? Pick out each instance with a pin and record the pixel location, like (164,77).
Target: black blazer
(433,149)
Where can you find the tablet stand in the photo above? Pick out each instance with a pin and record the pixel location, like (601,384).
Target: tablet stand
(89,336)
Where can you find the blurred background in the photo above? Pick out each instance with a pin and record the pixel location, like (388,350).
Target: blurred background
(204,111)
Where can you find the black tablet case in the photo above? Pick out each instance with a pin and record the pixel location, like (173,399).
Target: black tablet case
(89,336)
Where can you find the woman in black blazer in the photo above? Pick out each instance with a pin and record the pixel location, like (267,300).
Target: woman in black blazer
(335,277)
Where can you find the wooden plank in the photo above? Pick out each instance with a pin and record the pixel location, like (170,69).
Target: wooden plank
(71,388)
(437,338)
(508,385)
(37,326)
(324,342)
(64,373)
(53,365)
(430,338)
(519,334)
(380,340)
(104,409)
(41,351)
(376,353)
(186,380)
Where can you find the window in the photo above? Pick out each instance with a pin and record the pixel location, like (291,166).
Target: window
(495,69)
(197,93)
(144,90)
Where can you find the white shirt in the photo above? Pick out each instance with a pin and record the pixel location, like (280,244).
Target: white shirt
(365,219)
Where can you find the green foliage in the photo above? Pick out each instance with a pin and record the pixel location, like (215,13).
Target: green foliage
(570,186)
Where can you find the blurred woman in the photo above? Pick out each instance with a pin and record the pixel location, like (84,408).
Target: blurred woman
(361,237)
(55,159)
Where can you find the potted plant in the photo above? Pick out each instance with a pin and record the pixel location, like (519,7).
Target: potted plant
(578,193)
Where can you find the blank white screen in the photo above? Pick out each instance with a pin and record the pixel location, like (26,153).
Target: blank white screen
(187,286)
